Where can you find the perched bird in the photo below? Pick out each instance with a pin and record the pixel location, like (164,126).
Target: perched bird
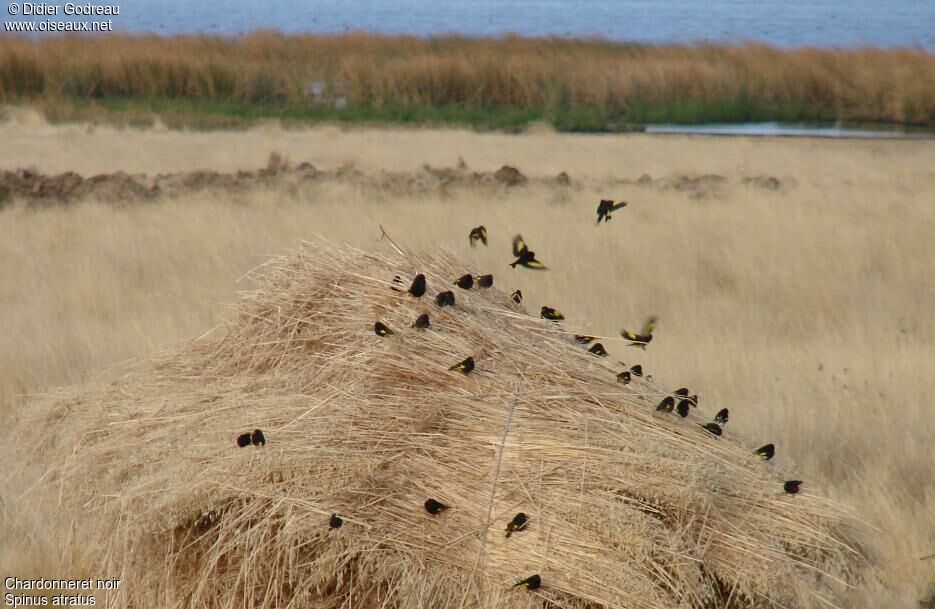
(398,281)
(335,521)
(681,391)
(666,405)
(478,233)
(465,282)
(624,377)
(713,428)
(645,335)
(683,407)
(517,297)
(417,288)
(518,523)
(258,438)
(421,322)
(583,340)
(434,507)
(693,398)
(243,440)
(381,330)
(464,366)
(598,350)
(722,416)
(530,583)
(445,299)
(484,281)
(525,256)
(766,452)
(605,207)
(636,370)
(551,314)
(791,486)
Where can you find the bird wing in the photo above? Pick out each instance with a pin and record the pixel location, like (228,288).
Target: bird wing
(620,205)
(648,327)
(519,246)
(483,235)
(535,264)
(628,335)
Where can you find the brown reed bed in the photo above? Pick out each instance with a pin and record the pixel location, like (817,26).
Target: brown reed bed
(628,508)
(574,84)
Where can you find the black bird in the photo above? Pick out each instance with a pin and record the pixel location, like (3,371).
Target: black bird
(791,486)
(530,583)
(478,234)
(693,399)
(335,521)
(598,350)
(445,299)
(645,335)
(434,507)
(666,405)
(624,377)
(243,440)
(464,366)
(605,207)
(766,452)
(417,288)
(518,523)
(683,407)
(258,438)
(636,370)
(525,256)
(722,416)
(681,391)
(517,297)
(398,281)
(421,322)
(465,282)
(381,330)
(484,281)
(713,428)
(583,340)
(551,314)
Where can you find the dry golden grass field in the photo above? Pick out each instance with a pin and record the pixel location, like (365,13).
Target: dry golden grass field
(806,310)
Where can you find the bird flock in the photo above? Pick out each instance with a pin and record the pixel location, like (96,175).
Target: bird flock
(681,401)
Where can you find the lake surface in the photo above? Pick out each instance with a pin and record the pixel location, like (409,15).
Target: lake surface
(790,130)
(783,23)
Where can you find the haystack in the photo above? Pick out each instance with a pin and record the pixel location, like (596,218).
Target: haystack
(628,508)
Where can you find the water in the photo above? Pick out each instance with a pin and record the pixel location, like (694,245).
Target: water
(781,129)
(783,23)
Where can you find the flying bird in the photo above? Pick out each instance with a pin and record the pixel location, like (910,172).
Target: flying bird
(465,282)
(766,452)
(464,366)
(517,297)
(434,507)
(713,428)
(484,281)
(518,523)
(666,405)
(478,234)
(258,438)
(335,521)
(683,407)
(417,288)
(445,299)
(381,330)
(598,350)
(551,314)
(421,322)
(624,377)
(243,440)
(525,256)
(722,416)
(645,335)
(605,207)
(530,583)
(792,486)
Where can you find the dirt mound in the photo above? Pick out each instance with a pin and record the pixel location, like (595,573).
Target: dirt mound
(626,507)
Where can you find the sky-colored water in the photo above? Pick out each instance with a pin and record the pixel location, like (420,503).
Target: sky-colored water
(784,23)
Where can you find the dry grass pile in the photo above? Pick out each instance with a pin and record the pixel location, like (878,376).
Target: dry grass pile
(627,507)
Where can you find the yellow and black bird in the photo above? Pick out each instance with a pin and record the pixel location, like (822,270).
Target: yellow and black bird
(445,299)
(434,507)
(721,417)
(258,438)
(666,405)
(681,391)
(533,582)
(713,428)
(551,314)
(598,350)
(525,256)
(605,207)
(422,322)
(792,486)
(465,282)
(478,233)
(464,366)
(583,339)
(335,521)
(682,408)
(417,288)
(624,377)
(517,296)
(380,329)
(645,335)
(484,281)
(766,452)
(243,440)
(636,370)
(518,523)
